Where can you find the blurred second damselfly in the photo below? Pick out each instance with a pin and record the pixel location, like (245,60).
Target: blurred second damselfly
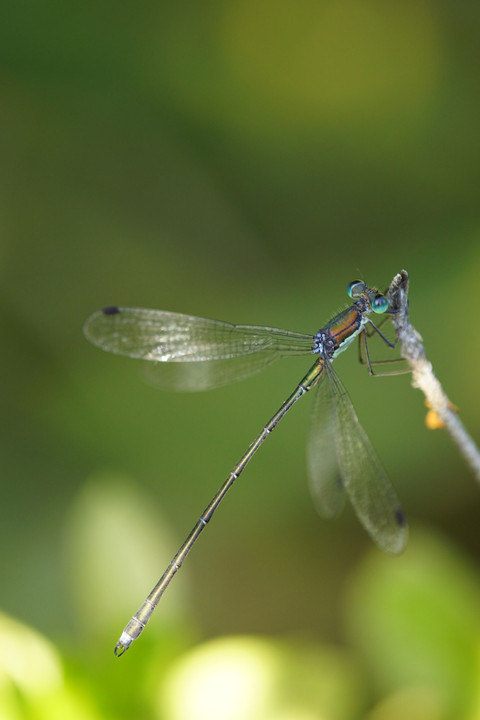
(192,353)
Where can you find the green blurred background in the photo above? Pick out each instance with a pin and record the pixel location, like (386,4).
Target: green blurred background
(243,161)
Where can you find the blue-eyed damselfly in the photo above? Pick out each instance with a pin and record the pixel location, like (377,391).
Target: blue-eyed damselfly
(192,353)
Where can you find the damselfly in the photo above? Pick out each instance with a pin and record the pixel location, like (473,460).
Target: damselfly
(192,353)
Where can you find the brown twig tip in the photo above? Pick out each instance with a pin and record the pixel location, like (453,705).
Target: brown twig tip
(423,376)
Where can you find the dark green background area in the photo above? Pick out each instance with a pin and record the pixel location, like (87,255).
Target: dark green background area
(242,161)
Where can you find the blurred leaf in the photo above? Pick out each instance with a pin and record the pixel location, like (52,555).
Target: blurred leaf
(416,620)
(32,683)
(117,546)
(247,678)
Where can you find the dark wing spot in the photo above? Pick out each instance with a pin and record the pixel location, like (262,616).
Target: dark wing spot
(113,310)
(400,518)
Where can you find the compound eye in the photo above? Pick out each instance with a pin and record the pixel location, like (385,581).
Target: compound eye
(379,303)
(356,288)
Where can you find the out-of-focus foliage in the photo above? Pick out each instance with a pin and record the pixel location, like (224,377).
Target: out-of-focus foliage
(411,637)
(241,160)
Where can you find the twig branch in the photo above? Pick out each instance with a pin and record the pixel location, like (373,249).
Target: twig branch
(412,350)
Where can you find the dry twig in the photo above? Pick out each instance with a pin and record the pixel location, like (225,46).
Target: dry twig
(412,350)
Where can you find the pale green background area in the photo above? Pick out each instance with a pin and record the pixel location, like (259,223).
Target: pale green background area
(242,161)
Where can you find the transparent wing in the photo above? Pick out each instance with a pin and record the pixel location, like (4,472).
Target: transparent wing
(367,486)
(207,374)
(326,486)
(209,353)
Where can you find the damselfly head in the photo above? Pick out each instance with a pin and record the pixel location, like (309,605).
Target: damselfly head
(378,302)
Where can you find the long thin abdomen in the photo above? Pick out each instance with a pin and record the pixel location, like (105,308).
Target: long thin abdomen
(136,625)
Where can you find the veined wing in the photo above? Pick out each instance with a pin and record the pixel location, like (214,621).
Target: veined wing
(206,374)
(191,353)
(326,486)
(369,489)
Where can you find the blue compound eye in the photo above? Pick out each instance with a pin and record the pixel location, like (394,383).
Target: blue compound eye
(379,303)
(356,288)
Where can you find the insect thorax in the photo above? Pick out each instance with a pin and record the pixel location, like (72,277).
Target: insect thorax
(324,344)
